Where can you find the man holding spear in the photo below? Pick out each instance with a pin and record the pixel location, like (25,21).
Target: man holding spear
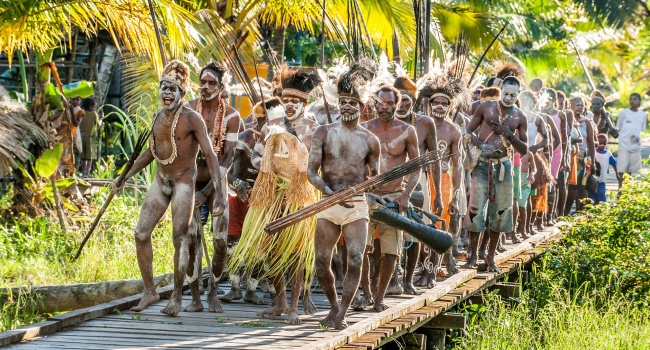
(176,130)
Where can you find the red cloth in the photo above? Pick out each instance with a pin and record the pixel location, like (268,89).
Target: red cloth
(238,210)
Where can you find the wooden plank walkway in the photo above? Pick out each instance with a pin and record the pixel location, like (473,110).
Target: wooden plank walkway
(239,327)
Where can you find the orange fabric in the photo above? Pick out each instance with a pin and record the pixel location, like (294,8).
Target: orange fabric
(237,210)
(446,185)
(573,173)
(376,233)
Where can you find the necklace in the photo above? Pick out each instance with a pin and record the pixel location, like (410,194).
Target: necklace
(152,143)
(219,127)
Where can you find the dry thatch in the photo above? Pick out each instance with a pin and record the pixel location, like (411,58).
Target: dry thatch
(17,133)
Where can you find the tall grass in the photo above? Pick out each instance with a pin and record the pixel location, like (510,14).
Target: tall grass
(19,310)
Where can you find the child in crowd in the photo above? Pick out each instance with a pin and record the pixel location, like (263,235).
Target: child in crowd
(605,159)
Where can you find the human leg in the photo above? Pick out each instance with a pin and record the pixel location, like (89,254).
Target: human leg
(220,246)
(355,237)
(153,208)
(327,234)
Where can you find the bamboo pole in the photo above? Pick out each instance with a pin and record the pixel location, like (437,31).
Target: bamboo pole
(23,76)
(339,197)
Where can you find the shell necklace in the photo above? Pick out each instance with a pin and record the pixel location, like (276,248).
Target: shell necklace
(219,126)
(152,144)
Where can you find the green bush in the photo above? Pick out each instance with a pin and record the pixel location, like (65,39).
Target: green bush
(608,246)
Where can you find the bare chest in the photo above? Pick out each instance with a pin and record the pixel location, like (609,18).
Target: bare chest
(345,145)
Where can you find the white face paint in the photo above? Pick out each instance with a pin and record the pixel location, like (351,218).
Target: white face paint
(350,109)
(439,107)
(405,107)
(509,94)
(170,94)
(210,86)
(293,109)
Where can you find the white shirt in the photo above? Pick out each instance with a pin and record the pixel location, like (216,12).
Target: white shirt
(630,124)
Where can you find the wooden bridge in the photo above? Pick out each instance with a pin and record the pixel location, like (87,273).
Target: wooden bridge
(110,326)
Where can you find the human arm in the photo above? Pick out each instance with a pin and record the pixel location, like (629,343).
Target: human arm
(230,143)
(555,133)
(532,170)
(140,163)
(591,144)
(432,146)
(477,120)
(316,161)
(457,171)
(519,143)
(202,137)
(564,139)
(541,131)
(413,152)
(258,149)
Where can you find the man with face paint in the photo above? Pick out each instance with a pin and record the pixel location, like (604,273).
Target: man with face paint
(177,134)
(445,94)
(427,142)
(223,124)
(296,88)
(495,123)
(241,179)
(340,155)
(399,143)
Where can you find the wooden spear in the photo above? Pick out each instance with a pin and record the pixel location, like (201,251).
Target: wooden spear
(142,140)
(340,197)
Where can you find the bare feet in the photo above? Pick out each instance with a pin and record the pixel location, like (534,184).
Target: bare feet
(524,235)
(423,280)
(380,306)
(501,248)
(450,265)
(440,273)
(233,294)
(514,238)
(360,302)
(277,310)
(251,297)
(147,299)
(460,255)
(328,322)
(471,263)
(194,307)
(173,306)
(482,253)
(213,301)
(410,289)
(292,318)
(308,305)
(489,266)
(340,324)
(394,289)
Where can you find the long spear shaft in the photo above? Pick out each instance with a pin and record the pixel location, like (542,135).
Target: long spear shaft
(396,173)
(157,30)
(584,68)
(322,44)
(142,139)
(469,82)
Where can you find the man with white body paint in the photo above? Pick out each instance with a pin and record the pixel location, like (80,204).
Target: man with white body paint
(223,124)
(177,134)
(492,187)
(399,143)
(342,152)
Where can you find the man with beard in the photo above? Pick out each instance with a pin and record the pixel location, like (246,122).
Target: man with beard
(495,123)
(241,179)
(427,142)
(223,125)
(445,94)
(177,130)
(342,152)
(399,143)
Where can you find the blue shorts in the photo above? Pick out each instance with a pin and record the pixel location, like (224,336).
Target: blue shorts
(600,195)
(499,210)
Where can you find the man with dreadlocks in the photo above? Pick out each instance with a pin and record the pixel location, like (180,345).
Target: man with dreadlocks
(241,179)
(427,142)
(177,130)
(280,155)
(223,124)
(445,94)
(495,123)
(339,157)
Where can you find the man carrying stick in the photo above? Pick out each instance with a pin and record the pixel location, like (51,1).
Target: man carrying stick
(177,130)
(341,152)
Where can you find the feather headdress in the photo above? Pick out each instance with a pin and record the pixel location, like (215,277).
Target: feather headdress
(298,82)
(359,82)
(504,69)
(438,82)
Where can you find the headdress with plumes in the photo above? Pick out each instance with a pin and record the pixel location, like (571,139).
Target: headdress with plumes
(438,82)
(178,73)
(406,86)
(358,82)
(298,82)
(330,89)
(491,93)
(504,69)
(270,105)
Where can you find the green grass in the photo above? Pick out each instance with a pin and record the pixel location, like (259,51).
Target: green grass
(19,310)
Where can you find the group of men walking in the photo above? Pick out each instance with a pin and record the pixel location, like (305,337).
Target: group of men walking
(509,160)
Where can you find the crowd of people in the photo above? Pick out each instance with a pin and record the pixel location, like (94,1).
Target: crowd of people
(511,158)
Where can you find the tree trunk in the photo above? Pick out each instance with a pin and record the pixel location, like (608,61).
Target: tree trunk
(279,36)
(105,73)
(72,55)
(92,60)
